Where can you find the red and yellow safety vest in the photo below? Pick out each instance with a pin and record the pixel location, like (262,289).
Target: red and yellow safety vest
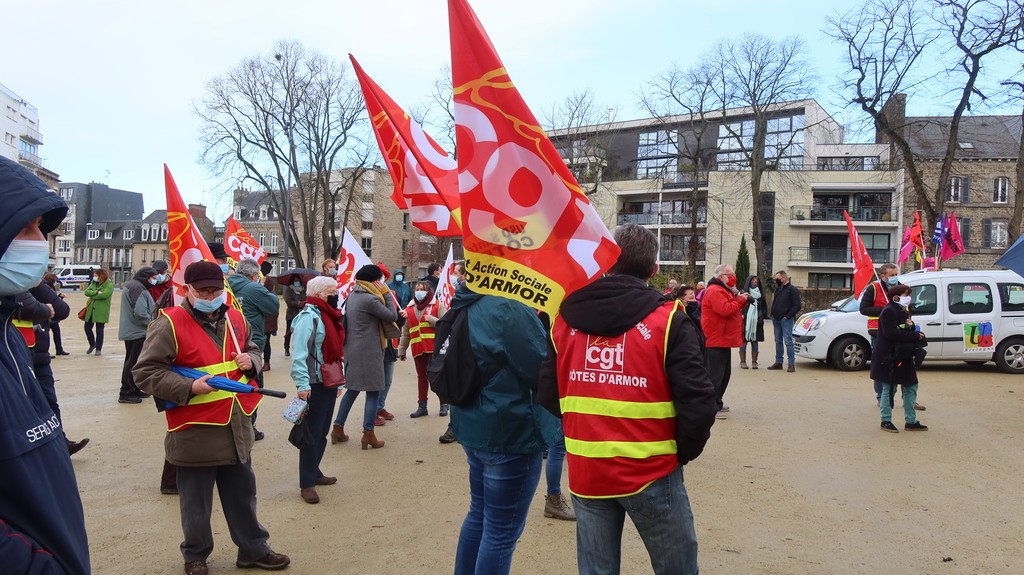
(617,410)
(880,301)
(195,349)
(27,330)
(421,333)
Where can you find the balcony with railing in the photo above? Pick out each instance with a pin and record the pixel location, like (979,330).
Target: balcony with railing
(836,255)
(683,255)
(822,214)
(30,158)
(31,135)
(685,179)
(663,219)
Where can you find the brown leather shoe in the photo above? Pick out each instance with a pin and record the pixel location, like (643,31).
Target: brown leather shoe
(338,434)
(791,368)
(326,480)
(775,366)
(309,495)
(196,568)
(269,562)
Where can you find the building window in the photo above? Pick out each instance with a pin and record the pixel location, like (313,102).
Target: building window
(1001,190)
(405,221)
(263,212)
(64,245)
(367,225)
(66,194)
(163,233)
(263,238)
(273,241)
(656,154)
(996,233)
(128,234)
(145,233)
(829,281)
(94,234)
(108,235)
(367,245)
(405,247)
(965,231)
(956,188)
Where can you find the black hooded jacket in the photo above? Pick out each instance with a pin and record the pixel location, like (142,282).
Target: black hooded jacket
(42,525)
(612,305)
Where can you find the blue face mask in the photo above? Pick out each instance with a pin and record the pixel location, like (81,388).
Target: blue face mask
(209,305)
(153,280)
(225,268)
(22,265)
(894,280)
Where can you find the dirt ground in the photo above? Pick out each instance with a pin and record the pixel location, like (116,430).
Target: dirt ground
(799,479)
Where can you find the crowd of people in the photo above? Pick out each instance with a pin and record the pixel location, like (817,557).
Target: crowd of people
(623,385)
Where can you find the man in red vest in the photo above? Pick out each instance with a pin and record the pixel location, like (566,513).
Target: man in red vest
(636,405)
(210,433)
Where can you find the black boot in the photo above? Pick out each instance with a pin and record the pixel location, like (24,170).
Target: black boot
(420,411)
(76,446)
(444,410)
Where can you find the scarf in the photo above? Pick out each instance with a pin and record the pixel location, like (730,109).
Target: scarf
(422,305)
(372,289)
(750,324)
(334,333)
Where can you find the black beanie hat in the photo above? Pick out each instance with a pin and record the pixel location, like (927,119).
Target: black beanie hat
(369,273)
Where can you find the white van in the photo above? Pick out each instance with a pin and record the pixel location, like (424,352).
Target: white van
(74,276)
(971,316)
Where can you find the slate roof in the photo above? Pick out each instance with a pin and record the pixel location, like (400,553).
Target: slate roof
(989,137)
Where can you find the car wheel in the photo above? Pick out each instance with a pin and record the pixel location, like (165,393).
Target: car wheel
(1010,356)
(850,354)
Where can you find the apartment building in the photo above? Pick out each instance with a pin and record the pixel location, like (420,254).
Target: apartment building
(19,125)
(687,178)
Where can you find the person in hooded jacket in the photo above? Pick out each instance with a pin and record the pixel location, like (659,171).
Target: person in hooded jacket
(403,293)
(42,524)
(294,300)
(627,376)
(163,280)
(753,321)
(504,431)
(138,308)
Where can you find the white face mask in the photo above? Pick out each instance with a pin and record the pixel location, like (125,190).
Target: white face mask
(755,293)
(905,300)
(22,265)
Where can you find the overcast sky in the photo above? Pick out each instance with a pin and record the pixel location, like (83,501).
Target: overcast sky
(115,81)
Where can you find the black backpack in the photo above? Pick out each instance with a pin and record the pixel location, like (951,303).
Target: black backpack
(452,371)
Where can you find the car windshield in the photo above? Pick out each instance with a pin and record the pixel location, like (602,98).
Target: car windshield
(848,305)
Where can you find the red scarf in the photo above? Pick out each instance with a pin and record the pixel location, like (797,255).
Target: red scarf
(334,333)
(422,305)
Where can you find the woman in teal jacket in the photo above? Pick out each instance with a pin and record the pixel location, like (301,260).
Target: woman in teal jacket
(98,309)
(503,432)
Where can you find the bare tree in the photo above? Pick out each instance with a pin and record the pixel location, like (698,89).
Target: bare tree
(1013,230)
(286,121)
(437,113)
(891,47)
(687,94)
(760,74)
(584,149)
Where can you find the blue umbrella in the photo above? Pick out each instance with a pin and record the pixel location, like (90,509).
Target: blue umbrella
(1014,257)
(221,383)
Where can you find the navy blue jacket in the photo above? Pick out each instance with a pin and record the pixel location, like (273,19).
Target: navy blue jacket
(42,525)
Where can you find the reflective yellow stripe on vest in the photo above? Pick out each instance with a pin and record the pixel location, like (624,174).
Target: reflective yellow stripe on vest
(219,394)
(616,408)
(415,336)
(631,449)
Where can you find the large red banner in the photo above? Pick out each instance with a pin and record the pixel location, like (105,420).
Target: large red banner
(426,183)
(529,231)
(863,267)
(239,244)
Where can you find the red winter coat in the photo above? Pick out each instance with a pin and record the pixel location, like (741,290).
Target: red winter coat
(722,316)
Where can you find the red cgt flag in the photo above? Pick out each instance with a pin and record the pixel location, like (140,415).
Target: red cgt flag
(239,244)
(530,233)
(426,182)
(185,242)
(863,267)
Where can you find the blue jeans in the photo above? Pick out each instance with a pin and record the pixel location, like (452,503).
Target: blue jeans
(784,334)
(753,347)
(318,417)
(553,466)
(389,372)
(662,516)
(369,408)
(501,488)
(909,398)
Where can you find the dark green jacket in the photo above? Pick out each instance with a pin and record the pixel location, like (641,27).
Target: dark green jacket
(257,303)
(508,341)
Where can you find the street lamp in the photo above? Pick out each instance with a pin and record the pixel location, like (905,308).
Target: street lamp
(721,227)
(88,230)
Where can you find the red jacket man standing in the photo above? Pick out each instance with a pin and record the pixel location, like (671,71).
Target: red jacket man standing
(722,320)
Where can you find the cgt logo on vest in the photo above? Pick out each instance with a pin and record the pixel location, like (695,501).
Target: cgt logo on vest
(605,354)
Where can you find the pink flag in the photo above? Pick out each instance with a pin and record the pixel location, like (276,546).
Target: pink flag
(953,244)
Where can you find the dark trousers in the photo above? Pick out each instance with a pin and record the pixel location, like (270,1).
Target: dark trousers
(44,375)
(287,339)
(266,350)
(318,418)
(55,330)
(97,340)
(132,351)
(720,370)
(169,477)
(236,485)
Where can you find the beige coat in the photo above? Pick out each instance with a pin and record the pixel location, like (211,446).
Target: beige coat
(199,445)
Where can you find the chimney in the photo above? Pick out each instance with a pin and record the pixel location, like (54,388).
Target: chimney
(198,211)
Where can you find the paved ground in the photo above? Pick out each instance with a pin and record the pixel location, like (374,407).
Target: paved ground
(798,480)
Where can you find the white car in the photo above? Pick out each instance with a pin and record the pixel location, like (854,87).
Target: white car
(975,316)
